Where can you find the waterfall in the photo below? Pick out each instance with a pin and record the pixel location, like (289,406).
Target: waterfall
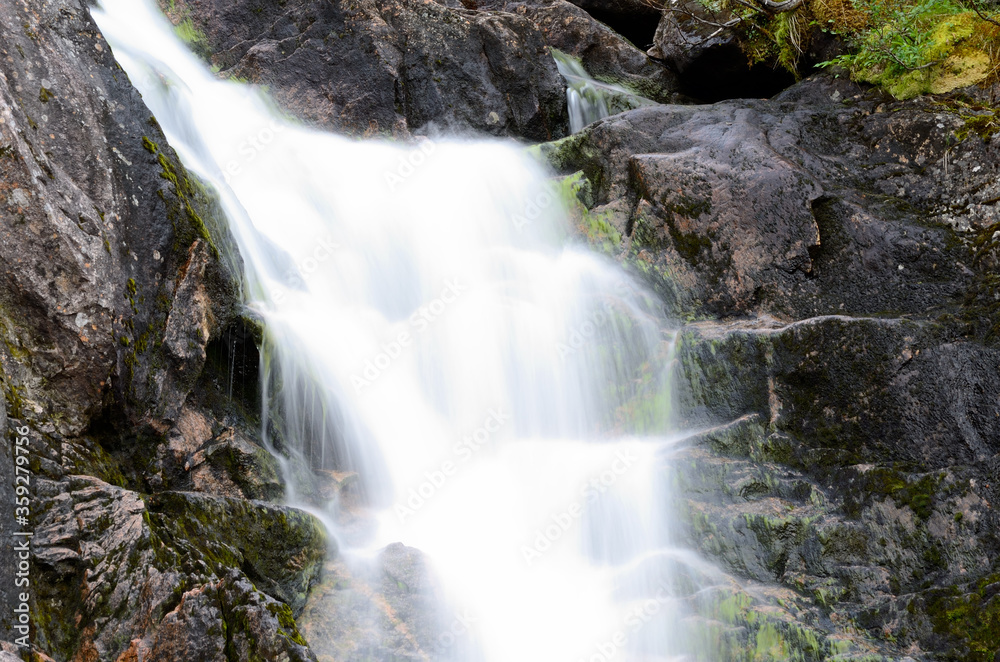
(432,325)
(585,99)
(589,99)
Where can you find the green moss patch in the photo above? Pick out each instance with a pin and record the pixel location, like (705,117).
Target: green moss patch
(918,493)
(280,549)
(922,46)
(907,47)
(971,620)
(576,194)
(186,29)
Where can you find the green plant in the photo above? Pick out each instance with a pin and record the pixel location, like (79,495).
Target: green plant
(912,47)
(908,47)
(905,38)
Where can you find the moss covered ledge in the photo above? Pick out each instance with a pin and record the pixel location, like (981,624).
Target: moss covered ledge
(281,549)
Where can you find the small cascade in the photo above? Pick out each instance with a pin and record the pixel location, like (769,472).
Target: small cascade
(588,99)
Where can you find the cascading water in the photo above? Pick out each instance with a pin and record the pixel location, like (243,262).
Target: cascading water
(500,391)
(585,101)
(588,99)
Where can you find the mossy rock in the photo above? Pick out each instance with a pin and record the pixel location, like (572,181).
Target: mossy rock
(763,626)
(253,469)
(722,376)
(564,155)
(973,619)
(946,47)
(281,549)
(258,628)
(598,227)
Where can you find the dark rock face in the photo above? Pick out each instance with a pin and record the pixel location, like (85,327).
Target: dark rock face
(734,195)
(798,207)
(395,66)
(97,233)
(858,470)
(851,388)
(876,386)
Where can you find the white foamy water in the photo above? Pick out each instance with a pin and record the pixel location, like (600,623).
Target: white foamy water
(500,390)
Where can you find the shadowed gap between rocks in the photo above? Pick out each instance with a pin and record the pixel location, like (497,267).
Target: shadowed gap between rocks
(822,213)
(721,74)
(233,363)
(711,62)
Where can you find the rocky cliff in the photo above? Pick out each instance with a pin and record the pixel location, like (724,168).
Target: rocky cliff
(113,294)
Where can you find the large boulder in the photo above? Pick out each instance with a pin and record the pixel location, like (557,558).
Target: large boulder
(822,201)
(387,66)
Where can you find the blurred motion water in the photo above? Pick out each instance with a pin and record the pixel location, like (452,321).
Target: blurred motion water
(431,324)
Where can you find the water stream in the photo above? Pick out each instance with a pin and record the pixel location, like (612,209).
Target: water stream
(501,392)
(589,99)
(586,101)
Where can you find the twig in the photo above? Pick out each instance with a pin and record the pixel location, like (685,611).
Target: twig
(719,26)
(889,52)
(980,14)
(756,6)
(722,26)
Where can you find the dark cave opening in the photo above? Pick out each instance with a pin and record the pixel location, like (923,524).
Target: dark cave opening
(723,73)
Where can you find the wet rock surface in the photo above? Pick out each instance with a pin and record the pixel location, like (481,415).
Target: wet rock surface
(825,200)
(860,472)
